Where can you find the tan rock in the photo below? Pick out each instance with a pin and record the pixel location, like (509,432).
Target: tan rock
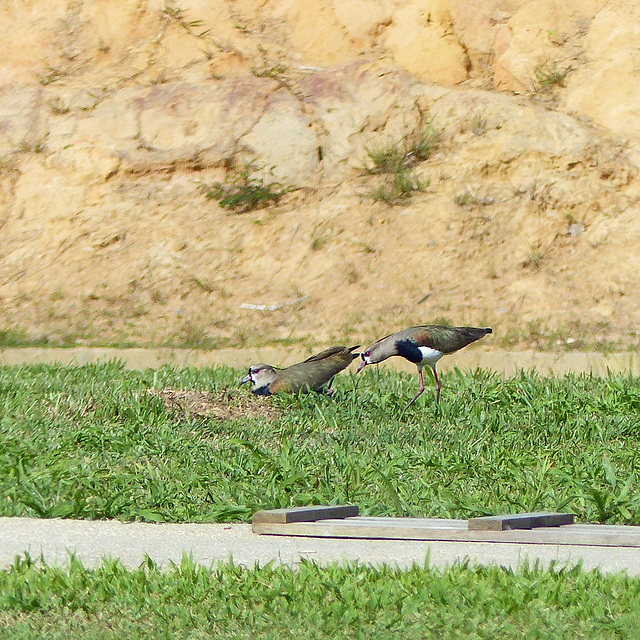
(607,87)
(87,160)
(363,18)
(184,121)
(539,33)
(284,141)
(20,108)
(129,21)
(423,44)
(317,33)
(27,40)
(387,107)
(474,21)
(112,120)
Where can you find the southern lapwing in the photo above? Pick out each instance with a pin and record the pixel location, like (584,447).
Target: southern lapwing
(314,374)
(422,345)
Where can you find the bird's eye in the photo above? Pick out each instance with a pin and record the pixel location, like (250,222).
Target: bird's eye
(366,354)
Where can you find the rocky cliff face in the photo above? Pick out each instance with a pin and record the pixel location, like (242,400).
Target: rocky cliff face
(116,116)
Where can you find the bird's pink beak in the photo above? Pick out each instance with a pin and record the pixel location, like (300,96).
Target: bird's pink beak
(247,378)
(363,364)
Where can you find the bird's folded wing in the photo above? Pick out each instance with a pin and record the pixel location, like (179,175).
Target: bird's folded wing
(334,351)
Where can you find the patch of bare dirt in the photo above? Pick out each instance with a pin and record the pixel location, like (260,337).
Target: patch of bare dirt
(221,405)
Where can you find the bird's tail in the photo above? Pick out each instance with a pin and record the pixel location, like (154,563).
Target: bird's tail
(475,333)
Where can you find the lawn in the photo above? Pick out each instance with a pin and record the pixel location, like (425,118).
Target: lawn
(353,601)
(94,442)
(101,441)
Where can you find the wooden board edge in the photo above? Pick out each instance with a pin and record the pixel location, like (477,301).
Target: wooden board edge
(305,514)
(558,536)
(509,522)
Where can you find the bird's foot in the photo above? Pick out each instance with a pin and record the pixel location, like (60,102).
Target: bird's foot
(412,401)
(406,406)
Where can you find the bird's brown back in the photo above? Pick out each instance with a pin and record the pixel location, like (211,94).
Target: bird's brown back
(434,336)
(315,371)
(447,339)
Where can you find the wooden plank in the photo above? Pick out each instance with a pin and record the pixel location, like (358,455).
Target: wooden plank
(520,521)
(604,528)
(305,514)
(390,529)
(434,523)
(428,530)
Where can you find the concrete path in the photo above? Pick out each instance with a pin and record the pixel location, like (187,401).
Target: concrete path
(507,363)
(92,541)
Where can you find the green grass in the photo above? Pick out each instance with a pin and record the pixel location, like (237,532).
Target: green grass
(16,338)
(90,442)
(395,161)
(396,188)
(400,156)
(551,75)
(354,601)
(244,192)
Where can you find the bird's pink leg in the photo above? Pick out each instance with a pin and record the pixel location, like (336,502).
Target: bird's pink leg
(420,390)
(435,375)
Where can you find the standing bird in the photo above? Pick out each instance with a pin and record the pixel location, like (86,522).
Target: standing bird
(422,345)
(311,375)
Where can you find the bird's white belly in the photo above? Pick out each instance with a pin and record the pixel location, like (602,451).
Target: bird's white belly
(430,356)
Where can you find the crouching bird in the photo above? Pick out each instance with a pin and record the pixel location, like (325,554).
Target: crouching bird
(311,375)
(422,345)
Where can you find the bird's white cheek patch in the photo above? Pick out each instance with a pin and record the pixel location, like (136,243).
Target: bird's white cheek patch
(429,355)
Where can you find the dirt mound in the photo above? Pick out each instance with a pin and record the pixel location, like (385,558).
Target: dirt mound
(224,405)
